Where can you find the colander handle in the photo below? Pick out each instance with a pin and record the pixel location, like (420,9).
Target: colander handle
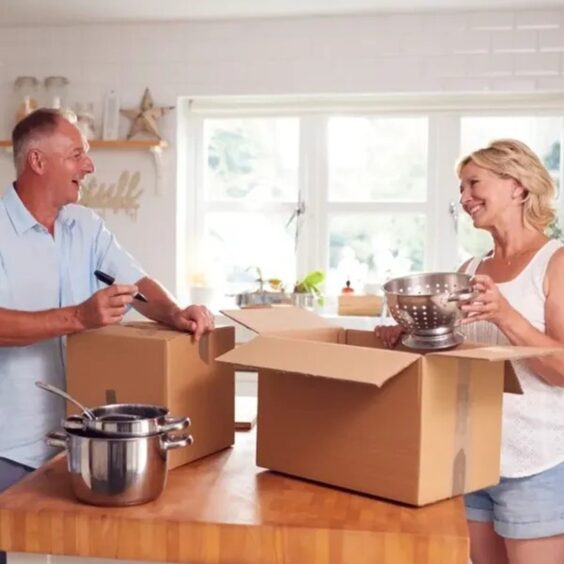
(462,295)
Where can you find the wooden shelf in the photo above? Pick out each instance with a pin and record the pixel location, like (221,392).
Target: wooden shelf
(128,144)
(154,146)
(118,144)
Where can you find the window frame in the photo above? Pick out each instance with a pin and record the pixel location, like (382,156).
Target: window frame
(444,114)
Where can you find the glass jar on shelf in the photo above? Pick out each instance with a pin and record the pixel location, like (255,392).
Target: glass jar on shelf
(26,94)
(85,119)
(56,89)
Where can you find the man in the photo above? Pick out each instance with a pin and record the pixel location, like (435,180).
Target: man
(49,250)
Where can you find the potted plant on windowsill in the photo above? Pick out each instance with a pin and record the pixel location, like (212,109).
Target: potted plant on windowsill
(308,289)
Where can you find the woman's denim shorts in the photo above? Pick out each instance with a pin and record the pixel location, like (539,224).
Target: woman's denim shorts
(522,508)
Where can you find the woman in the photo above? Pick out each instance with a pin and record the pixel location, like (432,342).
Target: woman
(520,283)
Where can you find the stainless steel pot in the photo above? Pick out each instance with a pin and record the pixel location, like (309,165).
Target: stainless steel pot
(126,420)
(117,471)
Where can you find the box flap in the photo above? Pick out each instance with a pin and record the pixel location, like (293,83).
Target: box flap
(276,319)
(496,353)
(328,360)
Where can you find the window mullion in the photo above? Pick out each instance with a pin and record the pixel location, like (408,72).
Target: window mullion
(250,207)
(312,252)
(376,207)
(195,216)
(444,148)
(560,195)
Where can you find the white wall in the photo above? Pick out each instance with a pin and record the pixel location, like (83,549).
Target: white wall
(454,52)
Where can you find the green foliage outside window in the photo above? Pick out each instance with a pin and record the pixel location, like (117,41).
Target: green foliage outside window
(231,156)
(554,231)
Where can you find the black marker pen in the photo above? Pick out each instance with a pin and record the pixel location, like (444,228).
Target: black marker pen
(109,280)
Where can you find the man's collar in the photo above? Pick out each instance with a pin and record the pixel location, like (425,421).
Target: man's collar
(65,218)
(21,217)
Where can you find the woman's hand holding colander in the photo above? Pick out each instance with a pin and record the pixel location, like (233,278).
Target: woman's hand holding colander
(389,334)
(488,305)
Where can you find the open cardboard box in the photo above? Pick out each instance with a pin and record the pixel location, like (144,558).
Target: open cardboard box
(144,362)
(335,407)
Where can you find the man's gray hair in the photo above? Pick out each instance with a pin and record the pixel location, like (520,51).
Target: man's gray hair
(37,124)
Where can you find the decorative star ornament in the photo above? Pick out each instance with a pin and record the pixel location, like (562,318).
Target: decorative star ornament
(144,119)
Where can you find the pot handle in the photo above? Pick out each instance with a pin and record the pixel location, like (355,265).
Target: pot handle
(174,424)
(56,439)
(74,422)
(169,442)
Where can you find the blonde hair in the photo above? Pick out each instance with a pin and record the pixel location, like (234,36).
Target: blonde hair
(508,158)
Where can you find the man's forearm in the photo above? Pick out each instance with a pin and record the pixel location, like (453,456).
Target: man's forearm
(20,328)
(160,304)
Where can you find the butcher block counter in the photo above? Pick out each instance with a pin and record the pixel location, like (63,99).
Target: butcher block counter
(223,509)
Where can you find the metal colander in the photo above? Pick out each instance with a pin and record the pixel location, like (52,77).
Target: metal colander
(427,306)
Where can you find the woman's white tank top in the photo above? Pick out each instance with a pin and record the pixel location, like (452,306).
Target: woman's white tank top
(533,423)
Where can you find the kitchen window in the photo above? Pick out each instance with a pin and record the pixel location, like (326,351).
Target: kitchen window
(250,191)
(376,201)
(363,191)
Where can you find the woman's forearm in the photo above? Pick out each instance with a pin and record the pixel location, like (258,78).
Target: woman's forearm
(519,332)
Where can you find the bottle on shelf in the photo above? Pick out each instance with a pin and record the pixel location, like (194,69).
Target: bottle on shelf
(110,127)
(347,289)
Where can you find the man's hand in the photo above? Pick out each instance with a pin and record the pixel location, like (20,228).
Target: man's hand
(105,307)
(162,307)
(195,319)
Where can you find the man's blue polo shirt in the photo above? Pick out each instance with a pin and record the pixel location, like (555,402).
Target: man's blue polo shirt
(40,272)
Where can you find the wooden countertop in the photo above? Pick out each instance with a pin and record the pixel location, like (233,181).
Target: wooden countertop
(225,509)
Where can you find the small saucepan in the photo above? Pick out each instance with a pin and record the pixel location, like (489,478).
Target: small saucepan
(117,471)
(126,420)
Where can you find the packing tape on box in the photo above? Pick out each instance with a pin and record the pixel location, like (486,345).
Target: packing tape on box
(462,443)
(149,328)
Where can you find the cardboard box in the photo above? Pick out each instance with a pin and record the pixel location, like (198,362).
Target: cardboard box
(150,363)
(334,408)
(359,304)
